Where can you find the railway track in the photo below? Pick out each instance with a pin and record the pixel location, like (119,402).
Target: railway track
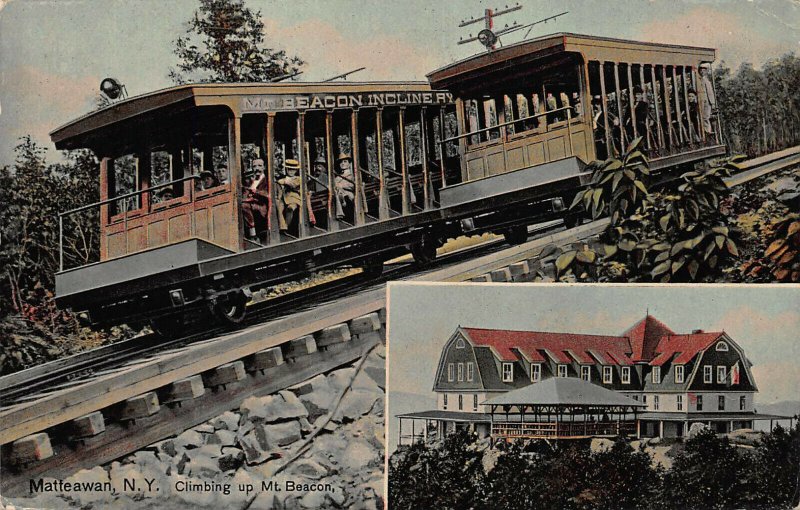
(132,403)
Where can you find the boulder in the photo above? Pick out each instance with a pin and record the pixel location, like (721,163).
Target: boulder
(222,437)
(364,382)
(695,429)
(226,421)
(309,468)
(93,476)
(231,459)
(339,379)
(314,499)
(272,408)
(283,434)
(357,456)
(256,446)
(188,440)
(355,404)
(204,428)
(600,444)
(167,447)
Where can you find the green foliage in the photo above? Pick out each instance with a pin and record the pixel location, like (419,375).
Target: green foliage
(617,186)
(760,109)
(225,43)
(772,478)
(707,474)
(448,477)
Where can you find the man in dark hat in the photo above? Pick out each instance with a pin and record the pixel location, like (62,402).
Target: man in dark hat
(208,180)
(320,173)
(166,194)
(345,184)
(291,190)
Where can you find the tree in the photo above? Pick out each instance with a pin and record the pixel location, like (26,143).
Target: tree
(225,43)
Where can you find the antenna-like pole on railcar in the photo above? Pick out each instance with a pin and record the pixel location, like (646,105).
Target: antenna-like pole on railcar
(285,76)
(344,75)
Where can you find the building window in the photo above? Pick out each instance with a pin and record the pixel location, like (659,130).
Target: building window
(722,347)
(586,373)
(644,399)
(460,402)
(460,372)
(608,375)
(460,343)
(636,397)
(470,371)
(655,402)
(721,403)
(708,376)
(450,372)
(699,402)
(508,372)
(721,374)
(445,402)
(536,372)
(475,402)
(679,374)
(742,403)
(562,370)
(626,375)
(656,375)
(679,402)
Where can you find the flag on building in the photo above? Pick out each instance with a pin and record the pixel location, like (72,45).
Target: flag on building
(692,398)
(735,374)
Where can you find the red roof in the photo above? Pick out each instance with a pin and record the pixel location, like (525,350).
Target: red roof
(686,346)
(644,337)
(531,344)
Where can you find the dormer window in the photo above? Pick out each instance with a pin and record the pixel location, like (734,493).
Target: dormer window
(656,375)
(722,347)
(562,370)
(708,374)
(451,372)
(536,372)
(470,371)
(508,372)
(722,374)
(608,375)
(679,374)
(626,375)
(460,343)
(460,372)
(586,373)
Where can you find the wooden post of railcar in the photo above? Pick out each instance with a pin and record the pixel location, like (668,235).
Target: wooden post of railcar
(630,100)
(189,185)
(236,230)
(333,221)
(176,169)
(648,133)
(461,119)
(699,119)
(359,199)
(689,121)
(272,213)
(609,142)
(302,210)
(107,186)
(443,146)
(670,128)
(143,179)
(654,85)
(718,131)
(426,175)
(622,138)
(383,196)
(678,106)
(405,200)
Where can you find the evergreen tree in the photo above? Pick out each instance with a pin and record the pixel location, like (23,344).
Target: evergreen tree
(225,43)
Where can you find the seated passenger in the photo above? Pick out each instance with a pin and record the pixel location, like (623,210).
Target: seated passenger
(320,174)
(208,179)
(577,106)
(599,128)
(551,104)
(694,113)
(641,109)
(166,194)
(222,173)
(345,185)
(255,202)
(291,190)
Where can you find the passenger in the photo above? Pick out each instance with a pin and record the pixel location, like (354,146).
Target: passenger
(708,99)
(320,174)
(345,185)
(166,194)
(599,128)
(577,106)
(551,104)
(208,179)
(222,173)
(291,190)
(694,113)
(642,110)
(256,201)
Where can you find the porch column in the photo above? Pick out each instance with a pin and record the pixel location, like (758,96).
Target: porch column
(638,429)
(661,429)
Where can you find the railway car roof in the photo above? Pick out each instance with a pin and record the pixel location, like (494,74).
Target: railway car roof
(86,130)
(592,47)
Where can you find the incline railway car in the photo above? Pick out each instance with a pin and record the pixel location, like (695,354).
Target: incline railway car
(211,191)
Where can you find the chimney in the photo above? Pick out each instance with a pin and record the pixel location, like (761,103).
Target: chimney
(696,331)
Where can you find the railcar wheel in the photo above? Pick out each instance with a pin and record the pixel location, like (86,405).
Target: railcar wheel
(230,309)
(424,252)
(516,235)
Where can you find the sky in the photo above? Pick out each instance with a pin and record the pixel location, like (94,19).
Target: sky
(763,319)
(54,53)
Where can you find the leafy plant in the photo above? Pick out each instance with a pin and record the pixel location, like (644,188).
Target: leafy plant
(782,257)
(617,186)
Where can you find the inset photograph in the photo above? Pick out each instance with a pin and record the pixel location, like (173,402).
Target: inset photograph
(592,396)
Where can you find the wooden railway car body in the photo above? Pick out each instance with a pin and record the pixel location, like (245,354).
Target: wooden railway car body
(470,155)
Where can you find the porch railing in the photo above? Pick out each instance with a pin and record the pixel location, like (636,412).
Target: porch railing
(562,429)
